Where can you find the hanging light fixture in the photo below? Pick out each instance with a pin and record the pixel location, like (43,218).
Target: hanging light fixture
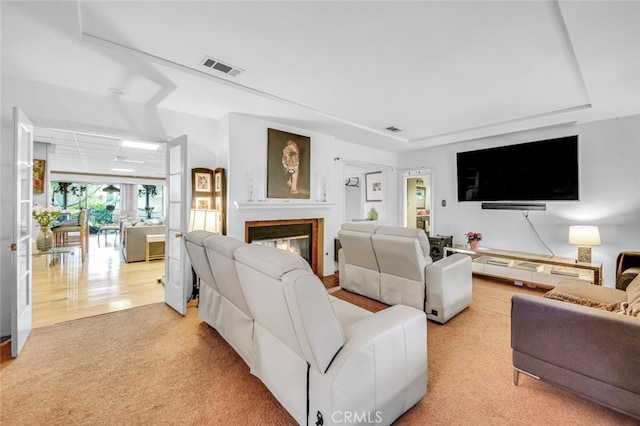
(110,189)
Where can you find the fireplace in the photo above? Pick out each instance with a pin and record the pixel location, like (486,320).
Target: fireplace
(300,236)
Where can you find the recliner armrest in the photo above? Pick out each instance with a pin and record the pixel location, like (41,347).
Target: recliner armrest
(380,370)
(449,287)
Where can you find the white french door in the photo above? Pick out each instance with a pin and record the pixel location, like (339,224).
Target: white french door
(21,295)
(177,277)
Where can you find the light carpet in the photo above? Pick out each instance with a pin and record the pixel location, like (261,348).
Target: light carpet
(150,366)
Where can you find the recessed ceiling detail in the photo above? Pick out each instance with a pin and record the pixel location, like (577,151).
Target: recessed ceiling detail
(209,62)
(393,129)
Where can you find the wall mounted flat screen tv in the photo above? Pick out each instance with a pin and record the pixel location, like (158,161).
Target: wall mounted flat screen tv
(535,171)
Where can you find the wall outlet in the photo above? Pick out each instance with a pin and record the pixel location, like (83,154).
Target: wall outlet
(434,312)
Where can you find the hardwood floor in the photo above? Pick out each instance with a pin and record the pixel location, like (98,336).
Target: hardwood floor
(65,288)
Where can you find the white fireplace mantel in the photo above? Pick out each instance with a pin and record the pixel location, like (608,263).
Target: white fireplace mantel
(247,205)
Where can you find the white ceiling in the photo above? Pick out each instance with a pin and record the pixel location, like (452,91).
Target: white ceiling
(441,72)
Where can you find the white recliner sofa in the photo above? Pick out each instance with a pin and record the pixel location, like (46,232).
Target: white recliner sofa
(357,263)
(324,358)
(236,319)
(209,295)
(404,272)
(222,304)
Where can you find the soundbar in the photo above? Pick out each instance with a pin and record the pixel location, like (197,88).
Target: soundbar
(514,206)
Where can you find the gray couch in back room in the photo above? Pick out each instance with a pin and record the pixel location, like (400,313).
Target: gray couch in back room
(591,351)
(133,240)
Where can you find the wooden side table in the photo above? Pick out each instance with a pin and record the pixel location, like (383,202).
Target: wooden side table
(154,239)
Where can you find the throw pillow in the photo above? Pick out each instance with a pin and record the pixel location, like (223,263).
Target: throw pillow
(566,297)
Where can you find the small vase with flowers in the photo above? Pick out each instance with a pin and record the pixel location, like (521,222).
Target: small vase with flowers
(473,240)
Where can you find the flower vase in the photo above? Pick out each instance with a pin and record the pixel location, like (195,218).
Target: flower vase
(474,245)
(44,240)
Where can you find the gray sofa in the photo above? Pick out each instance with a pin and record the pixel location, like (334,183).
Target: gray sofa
(577,338)
(133,239)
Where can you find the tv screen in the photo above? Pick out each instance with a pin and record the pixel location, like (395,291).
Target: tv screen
(536,171)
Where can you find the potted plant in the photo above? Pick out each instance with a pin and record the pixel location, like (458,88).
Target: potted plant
(473,239)
(44,216)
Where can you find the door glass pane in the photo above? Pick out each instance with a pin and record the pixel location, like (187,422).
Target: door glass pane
(23,275)
(175,216)
(25,217)
(174,247)
(175,270)
(24,149)
(174,166)
(175,184)
(24,180)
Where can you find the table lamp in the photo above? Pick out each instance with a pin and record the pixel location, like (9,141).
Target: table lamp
(203,219)
(584,237)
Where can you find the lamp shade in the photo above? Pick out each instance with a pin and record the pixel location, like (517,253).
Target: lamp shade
(584,235)
(203,219)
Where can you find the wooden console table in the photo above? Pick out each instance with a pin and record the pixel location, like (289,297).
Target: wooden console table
(538,269)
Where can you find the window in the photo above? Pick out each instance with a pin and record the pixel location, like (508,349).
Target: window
(150,201)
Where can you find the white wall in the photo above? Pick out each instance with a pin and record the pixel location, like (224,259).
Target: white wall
(609,154)
(246,150)
(65,108)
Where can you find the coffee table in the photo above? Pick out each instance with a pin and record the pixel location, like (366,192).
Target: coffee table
(67,254)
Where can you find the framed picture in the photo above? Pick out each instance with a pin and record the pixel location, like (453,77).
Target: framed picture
(288,165)
(203,203)
(218,182)
(220,198)
(38,176)
(373,184)
(203,182)
(201,186)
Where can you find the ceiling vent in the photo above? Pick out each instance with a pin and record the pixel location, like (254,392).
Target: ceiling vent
(393,129)
(212,63)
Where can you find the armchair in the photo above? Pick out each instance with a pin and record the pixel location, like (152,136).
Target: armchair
(627,267)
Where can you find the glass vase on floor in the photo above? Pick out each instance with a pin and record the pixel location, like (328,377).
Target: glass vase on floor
(44,240)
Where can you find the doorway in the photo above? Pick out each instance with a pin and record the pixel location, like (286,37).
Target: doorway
(418,200)
(112,180)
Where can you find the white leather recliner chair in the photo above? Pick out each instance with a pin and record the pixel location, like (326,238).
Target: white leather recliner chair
(408,275)
(357,264)
(235,322)
(322,357)
(210,298)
